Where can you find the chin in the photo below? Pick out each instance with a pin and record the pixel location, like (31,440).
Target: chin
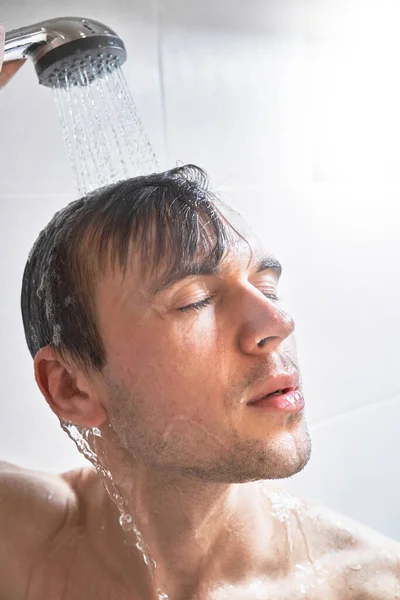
(280,458)
(291,454)
(288,469)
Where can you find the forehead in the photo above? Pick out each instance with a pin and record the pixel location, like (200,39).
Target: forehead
(148,274)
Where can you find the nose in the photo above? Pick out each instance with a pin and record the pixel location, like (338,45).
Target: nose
(265,325)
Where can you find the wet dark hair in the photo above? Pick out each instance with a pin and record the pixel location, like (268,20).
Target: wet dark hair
(169,218)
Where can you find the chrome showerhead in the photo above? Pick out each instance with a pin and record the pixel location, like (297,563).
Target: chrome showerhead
(67,51)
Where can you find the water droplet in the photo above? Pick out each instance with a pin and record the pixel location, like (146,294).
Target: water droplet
(126,522)
(56,335)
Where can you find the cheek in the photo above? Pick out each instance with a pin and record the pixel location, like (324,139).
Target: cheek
(168,358)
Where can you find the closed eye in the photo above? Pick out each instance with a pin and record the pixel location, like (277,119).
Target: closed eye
(196,305)
(207,301)
(271,296)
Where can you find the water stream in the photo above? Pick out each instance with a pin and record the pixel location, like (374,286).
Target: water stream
(82,437)
(102,130)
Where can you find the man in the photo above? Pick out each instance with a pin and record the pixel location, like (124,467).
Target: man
(159,342)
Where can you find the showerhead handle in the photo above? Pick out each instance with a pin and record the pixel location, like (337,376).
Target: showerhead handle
(57,44)
(20,42)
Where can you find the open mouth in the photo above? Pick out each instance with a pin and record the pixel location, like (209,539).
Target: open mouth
(285,399)
(279,392)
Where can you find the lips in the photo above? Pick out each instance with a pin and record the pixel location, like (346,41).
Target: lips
(290,402)
(275,385)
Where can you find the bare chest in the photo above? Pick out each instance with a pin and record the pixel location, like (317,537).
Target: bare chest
(74,572)
(74,568)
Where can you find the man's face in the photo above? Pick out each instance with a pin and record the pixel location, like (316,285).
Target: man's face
(183,363)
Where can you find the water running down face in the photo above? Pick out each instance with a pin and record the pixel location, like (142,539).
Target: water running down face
(185,359)
(149,306)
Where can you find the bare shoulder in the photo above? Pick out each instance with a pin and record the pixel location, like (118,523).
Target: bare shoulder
(34,507)
(366,562)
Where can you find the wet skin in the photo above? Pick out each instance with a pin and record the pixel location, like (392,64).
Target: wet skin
(61,540)
(183,445)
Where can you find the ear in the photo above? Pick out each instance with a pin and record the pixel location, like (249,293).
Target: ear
(68,390)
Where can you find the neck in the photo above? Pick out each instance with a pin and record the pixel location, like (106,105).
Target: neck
(199,534)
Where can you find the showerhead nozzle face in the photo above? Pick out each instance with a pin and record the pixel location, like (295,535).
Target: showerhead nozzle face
(80,61)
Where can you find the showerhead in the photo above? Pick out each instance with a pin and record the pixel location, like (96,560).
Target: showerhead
(67,51)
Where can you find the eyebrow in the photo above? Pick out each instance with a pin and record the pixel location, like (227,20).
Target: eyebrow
(199,269)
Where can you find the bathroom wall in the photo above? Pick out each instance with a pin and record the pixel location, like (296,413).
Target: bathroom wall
(292,107)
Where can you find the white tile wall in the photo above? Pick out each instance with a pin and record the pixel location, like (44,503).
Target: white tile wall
(229,92)
(292,108)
